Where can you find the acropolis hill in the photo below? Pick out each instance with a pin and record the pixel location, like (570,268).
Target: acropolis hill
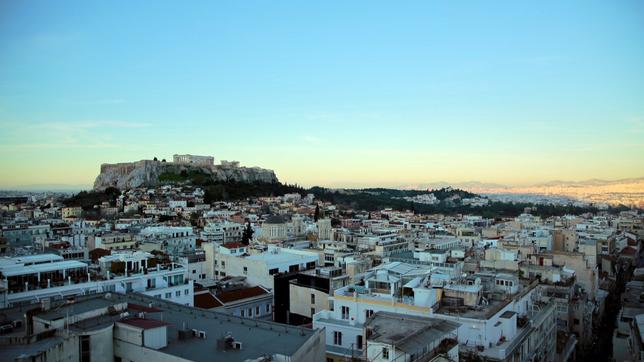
(146,172)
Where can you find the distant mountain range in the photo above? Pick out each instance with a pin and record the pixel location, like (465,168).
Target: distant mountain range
(614,192)
(626,191)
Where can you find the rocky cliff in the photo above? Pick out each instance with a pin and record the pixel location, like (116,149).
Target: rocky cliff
(146,173)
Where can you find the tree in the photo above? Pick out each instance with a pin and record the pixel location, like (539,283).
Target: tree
(156,159)
(247,235)
(316,216)
(194,219)
(413,208)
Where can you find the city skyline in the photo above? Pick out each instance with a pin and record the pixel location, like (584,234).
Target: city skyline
(338,95)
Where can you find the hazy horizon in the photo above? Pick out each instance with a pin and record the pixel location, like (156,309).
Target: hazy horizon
(330,94)
(348,185)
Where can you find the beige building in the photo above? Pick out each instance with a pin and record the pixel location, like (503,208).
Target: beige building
(309,292)
(71,212)
(324,229)
(274,228)
(112,241)
(564,240)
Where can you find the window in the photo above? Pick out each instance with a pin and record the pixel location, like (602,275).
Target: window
(245,270)
(257,310)
(368,313)
(177,293)
(337,338)
(268,308)
(186,292)
(84,349)
(223,274)
(312,312)
(241,312)
(273,271)
(312,298)
(223,264)
(345,312)
(359,341)
(168,295)
(250,312)
(385,352)
(294,268)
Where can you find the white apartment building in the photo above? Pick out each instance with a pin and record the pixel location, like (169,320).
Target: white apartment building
(171,239)
(223,232)
(258,267)
(488,330)
(32,278)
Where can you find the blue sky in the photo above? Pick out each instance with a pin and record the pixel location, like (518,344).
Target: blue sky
(329,93)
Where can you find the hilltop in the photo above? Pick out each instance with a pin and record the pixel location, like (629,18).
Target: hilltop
(153,173)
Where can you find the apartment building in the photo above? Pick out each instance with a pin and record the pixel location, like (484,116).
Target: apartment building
(111,327)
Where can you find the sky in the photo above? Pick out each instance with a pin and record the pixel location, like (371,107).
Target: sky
(359,93)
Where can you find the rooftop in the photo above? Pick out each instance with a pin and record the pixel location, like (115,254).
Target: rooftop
(259,338)
(241,294)
(143,323)
(408,333)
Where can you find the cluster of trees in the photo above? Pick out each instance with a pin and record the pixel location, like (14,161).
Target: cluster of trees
(87,199)
(228,191)
(367,199)
(247,234)
(195,177)
(378,199)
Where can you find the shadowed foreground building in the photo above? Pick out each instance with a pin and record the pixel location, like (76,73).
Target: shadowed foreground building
(115,327)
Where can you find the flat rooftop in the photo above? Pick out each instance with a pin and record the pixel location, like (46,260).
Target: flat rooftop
(75,308)
(19,269)
(258,338)
(408,333)
(280,257)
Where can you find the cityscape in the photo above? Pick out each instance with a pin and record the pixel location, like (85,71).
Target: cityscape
(333,182)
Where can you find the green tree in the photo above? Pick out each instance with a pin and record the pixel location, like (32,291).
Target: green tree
(194,219)
(316,216)
(247,235)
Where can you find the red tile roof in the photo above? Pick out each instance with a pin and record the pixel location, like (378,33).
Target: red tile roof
(234,245)
(206,301)
(144,323)
(142,308)
(239,294)
(628,251)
